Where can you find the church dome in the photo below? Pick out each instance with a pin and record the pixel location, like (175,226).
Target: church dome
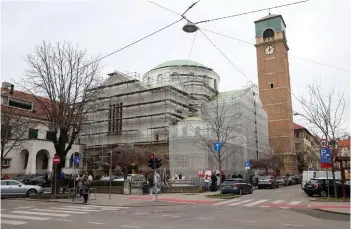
(171,63)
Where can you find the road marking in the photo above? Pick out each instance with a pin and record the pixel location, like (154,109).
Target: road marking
(172,216)
(76,209)
(293,225)
(96,207)
(227,202)
(59,211)
(97,223)
(255,203)
(245,221)
(24,207)
(292,203)
(23,217)
(204,218)
(11,222)
(274,202)
(40,213)
(130,226)
(66,220)
(241,202)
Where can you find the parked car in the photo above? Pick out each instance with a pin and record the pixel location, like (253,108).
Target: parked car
(291,180)
(236,186)
(282,181)
(16,188)
(319,186)
(267,182)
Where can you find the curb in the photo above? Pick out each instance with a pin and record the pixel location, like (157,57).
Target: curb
(327,211)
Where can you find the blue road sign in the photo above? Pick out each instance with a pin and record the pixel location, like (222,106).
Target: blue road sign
(247,164)
(217,146)
(76,160)
(325,155)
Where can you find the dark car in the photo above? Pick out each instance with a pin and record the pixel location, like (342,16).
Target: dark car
(236,186)
(282,181)
(291,180)
(268,182)
(319,186)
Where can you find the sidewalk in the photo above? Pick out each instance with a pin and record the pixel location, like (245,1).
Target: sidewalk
(331,207)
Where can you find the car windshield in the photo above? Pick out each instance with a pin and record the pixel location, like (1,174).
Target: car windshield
(316,181)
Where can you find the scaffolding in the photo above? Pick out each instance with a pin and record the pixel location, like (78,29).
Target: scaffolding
(189,153)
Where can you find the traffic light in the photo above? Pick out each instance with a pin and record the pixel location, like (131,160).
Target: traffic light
(151,163)
(158,163)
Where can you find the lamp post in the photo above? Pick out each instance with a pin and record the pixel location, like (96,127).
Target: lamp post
(190,27)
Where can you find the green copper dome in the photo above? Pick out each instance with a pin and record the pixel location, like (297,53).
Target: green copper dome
(180,63)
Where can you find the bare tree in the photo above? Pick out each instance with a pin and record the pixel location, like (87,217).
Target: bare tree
(325,112)
(269,159)
(305,159)
(221,123)
(64,75)
(14,129)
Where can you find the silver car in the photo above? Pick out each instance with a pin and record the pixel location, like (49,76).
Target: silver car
(16,188)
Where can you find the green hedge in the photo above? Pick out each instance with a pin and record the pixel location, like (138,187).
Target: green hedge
(106,183)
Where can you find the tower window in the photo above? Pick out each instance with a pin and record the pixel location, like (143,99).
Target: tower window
(272,86)
(268,33)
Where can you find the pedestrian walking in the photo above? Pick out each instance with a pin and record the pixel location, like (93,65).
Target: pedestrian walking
(85,188)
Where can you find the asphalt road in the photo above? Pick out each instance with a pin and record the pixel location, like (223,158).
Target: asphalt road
(34,214)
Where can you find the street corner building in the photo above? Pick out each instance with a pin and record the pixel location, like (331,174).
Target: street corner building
(26,147)
(163,113)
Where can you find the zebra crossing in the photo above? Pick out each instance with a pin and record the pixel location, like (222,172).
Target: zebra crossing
(263,203)
(23,215)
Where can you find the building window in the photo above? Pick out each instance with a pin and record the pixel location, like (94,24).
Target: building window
(268,33)
(6,162)
(20,104)
(33,133)
(272,85)
(215,84)
(174,76)
(50,135)
(159,79)
(115,118)
(191,74)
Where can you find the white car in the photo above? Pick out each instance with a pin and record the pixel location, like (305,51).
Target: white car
(16,188)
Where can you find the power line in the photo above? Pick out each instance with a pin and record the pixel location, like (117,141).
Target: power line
(133,43)
(250,12)
(165,8)
(192,5)
(301,58)
(225,56)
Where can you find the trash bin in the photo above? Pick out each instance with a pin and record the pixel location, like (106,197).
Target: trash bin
(145,188)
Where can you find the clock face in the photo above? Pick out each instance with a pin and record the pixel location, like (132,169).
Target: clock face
(269,50)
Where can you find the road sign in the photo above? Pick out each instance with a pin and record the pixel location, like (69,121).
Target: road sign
(324,143)
(325,158)
(217,146)
(57,160)
(75,159)
(247,164)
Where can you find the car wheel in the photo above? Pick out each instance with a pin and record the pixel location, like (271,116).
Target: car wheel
(251,190)
(323,193)
(240,192)
(31,192)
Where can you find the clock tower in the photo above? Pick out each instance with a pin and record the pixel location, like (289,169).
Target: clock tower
(274,88)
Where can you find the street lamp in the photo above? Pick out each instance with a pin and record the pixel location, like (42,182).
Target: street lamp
(190,27)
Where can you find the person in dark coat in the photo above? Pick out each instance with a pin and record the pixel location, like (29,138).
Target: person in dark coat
(240,176)
(213,182)
(85,188)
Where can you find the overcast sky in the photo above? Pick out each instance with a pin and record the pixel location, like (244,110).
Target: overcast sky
(316,30)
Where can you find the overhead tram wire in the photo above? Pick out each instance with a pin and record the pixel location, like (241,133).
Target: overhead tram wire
(250,12)
(301,58)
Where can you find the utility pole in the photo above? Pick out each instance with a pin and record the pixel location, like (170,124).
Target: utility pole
(155,181)
(109,195)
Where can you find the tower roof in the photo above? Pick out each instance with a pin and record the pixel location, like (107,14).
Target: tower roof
(270,16)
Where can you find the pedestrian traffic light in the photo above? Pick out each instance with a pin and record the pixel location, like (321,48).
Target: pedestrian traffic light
(158,163)
(151,163)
